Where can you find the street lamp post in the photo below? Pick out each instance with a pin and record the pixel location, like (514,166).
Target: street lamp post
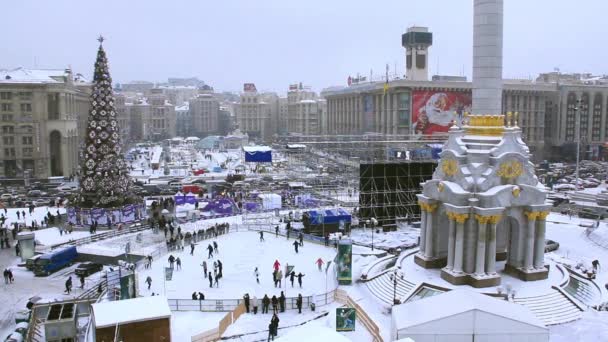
(374,223)
(397,274)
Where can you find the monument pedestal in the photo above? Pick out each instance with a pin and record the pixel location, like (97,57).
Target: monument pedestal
(477,281)
(528,274)
(427,262)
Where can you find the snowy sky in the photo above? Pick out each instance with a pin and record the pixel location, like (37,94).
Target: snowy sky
(276,42)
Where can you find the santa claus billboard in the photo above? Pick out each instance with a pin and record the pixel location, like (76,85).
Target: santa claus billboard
(435,111)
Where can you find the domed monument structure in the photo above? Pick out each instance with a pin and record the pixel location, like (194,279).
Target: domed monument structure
(484,203)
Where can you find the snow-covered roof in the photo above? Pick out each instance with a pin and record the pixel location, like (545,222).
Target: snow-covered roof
(193,139)
(130,310)
(22,75)
(183,107)
(296,146)
(456,302)
(256,148)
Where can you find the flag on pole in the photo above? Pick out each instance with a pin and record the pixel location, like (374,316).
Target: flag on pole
(386,82)
(327,266)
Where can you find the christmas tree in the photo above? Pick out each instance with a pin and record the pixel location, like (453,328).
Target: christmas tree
(103,173)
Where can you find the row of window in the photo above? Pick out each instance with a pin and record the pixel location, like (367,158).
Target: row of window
(11,129)
(23,95)
(27,140)
(8,107)
(26,152)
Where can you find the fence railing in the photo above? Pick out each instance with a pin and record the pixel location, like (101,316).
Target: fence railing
(102,236)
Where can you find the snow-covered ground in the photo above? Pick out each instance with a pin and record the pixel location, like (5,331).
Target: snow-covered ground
(38,215)
(404,237)
(185,324)
(240,253)
(593,327)
(52,236)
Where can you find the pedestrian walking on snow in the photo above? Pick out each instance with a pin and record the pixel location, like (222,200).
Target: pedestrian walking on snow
(210,249)
(192,248)
(82,281)
(261,236)
(149,282)
(301,237)
(204,264)
(276,231)
(292,276)
(68,285)
(256,273)
(320,263)
(217,251)
(171,261)
(6,278)
(217,280)
(296,244)
(274,322)
(246,300)
(254,304)
(275,304)
(299,303)
(265,304)
(300,275)
(280,277)
(178,261)
(210,280)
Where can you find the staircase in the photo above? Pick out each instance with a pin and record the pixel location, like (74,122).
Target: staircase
(382,288)
(553,308)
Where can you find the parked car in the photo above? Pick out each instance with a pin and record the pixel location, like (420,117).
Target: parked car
(88,268)
(5,197)
(34,193)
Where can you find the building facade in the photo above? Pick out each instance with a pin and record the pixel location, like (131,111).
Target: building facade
(183,120)
(255,114)
(304,111)
(204,113)
(398,110)
(42,116)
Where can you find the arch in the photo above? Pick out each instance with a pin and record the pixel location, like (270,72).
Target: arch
(55,153)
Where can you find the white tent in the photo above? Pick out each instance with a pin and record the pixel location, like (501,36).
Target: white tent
(465,315)
(270,201)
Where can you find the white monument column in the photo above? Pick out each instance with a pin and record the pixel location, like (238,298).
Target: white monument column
(529,240)
(429,250)
(451,240)
(459,243)
(480,256)
(422,228)
(539,240)
(487,56)
(491,245)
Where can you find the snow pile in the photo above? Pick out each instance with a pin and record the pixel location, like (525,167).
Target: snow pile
(402,238)
(185,324)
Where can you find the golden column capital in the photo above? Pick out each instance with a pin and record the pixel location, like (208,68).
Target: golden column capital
(532,215)
(542,215)
(482,219)
(460,218)
(494,219)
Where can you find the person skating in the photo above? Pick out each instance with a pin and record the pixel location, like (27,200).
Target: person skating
(275,304)
(171,261)
(301,238)
(81,281)
(246,300)
(265,304)
(280,277)
(210,249)
(149,281)
(192,248)
(217,280)
(204,264)
(220,266)
(292,276)
(300,275)
(254,304)
(276,231)
(261,236)
(68,285)
(194,296)
(282,302)
(299,303)
(320,263)
(210,279)
(256,273)
(276,265)
(296,244)
(178,261)
(215,268)
(215,249)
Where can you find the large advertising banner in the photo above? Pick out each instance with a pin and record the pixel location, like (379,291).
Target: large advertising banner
(345,258)
(99,215)
(436,111)
(345,319)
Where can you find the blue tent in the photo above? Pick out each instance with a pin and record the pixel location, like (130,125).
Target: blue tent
(328,216)
(258,154)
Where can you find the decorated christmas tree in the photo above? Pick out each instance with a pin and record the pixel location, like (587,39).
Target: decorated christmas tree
(103,173)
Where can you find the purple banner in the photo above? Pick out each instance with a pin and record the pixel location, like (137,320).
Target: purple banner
(99,215)
(181,200)
(252,206)
(222,206)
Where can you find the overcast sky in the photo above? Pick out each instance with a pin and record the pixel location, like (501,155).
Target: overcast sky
(277,42)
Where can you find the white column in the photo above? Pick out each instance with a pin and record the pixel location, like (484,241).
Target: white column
(539,248)
(491,249)
(429,251)
(529,242)
(480,257)
(422,231)
(451,240)
(458,247)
